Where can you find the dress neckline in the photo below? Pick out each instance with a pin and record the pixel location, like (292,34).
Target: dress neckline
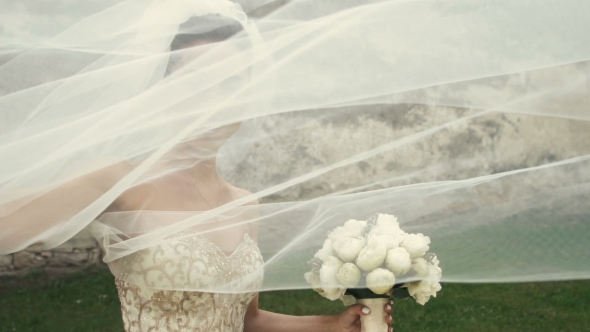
(243,241)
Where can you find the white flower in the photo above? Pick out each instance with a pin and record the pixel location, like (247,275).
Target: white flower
(351,228)
(328,272)
(435,260)
(387,231)
(380,281)
(398,261)
(431,274)
(347,248)
(313,279)
(435,271)
(389,239)
(332,289)
(349,275)
(423,290)
(326,251)
(371,256)
(420,267)
(330,293)
(389,223)
(416,244)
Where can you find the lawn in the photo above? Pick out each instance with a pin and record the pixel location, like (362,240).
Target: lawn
(87,301)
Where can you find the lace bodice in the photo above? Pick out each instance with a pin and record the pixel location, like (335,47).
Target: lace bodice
(191,262)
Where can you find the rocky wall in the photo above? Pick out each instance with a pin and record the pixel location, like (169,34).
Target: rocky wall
(74,255)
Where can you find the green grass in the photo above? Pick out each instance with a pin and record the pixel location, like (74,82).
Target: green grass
(87,301)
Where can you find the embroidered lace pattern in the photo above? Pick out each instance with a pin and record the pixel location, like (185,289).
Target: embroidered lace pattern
(188,263)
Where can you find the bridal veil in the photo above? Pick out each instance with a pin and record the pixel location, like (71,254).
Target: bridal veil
(468,120)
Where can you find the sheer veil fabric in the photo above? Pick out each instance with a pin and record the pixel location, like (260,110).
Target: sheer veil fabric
(467,120)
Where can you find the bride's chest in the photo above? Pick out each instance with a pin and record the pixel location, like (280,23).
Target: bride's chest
(194,263)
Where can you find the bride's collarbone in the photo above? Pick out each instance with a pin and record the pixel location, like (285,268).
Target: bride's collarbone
(173,198)
(149,197)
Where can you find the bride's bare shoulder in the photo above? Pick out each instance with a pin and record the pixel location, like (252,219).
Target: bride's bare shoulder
(109,174)
(239,193)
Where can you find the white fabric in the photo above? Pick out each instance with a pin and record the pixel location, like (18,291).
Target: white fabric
(467,120)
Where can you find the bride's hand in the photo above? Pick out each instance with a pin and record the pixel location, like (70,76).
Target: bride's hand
(350,319)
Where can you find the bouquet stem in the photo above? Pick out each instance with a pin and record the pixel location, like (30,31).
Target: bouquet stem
(375,321)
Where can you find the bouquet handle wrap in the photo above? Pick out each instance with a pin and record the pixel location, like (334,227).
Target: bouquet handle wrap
(375,321)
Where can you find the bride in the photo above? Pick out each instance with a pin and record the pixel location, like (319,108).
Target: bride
(141,121)
(219,257)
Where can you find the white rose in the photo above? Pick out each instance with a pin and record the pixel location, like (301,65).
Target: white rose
(380,281)
(420,267)
(423,290)
(351,228)
(430,273)
(390,240)
(371,256)
(326,251)
(332,294)
(348,275)
(435,260)
(332,289)
(347,248)
(313,279)
(416,244)
(398,261)
(328,272)
(434,270)
(389,223)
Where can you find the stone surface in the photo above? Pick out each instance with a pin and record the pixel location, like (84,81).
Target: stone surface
(6,263)
(58,259)
(79,258)
(46,254)
(94,256)
(26,259)
(84,239)
(467,148)
(5,260)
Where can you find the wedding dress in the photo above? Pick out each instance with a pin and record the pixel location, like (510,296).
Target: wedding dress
(191,261)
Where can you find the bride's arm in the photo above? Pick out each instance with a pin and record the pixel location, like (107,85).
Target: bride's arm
(257,320)
(40,214)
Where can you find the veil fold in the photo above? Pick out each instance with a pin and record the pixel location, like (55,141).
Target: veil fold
(469,121)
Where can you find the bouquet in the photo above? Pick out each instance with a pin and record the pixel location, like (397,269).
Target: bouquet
(361,261)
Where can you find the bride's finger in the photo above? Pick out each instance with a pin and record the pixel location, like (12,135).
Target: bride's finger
(388,319)
(388,307)
(353,313)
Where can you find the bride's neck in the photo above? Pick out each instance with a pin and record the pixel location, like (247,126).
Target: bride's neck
(204,171)
(192,161)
